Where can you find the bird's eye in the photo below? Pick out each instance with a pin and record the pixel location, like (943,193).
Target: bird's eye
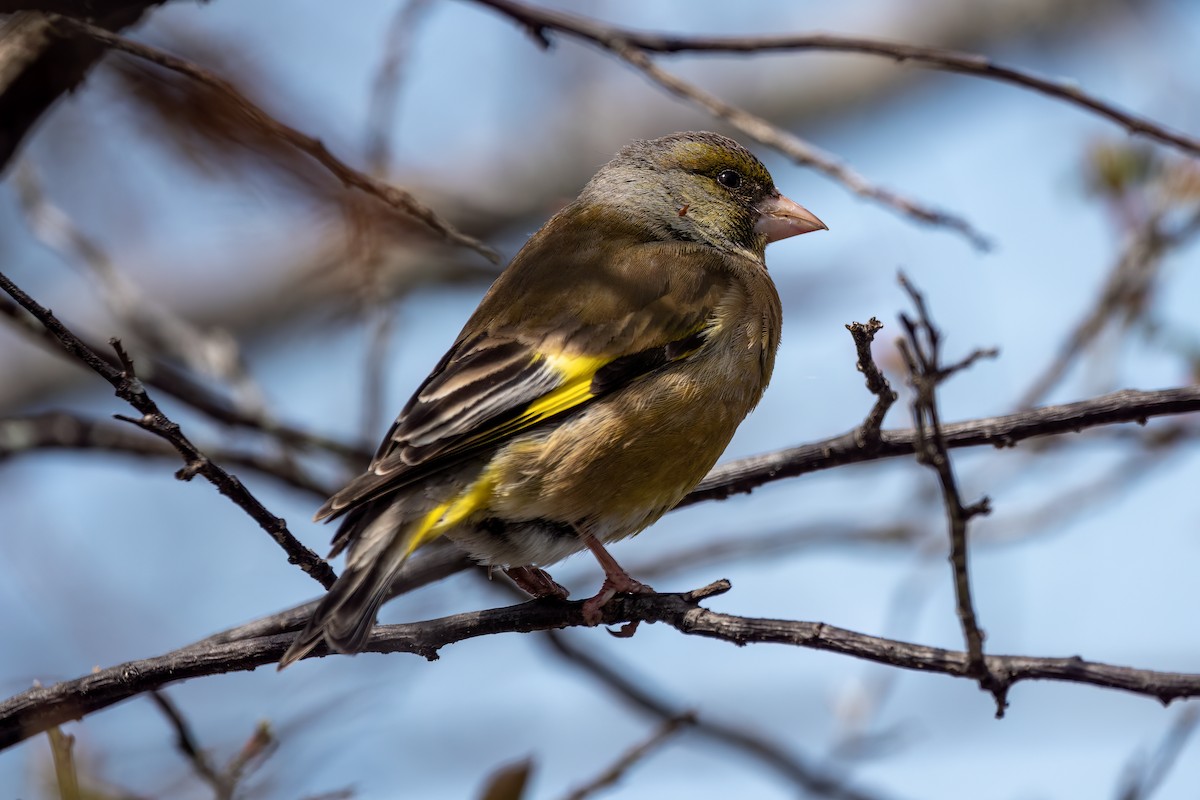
(730,179)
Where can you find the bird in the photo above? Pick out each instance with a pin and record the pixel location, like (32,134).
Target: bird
(598,381)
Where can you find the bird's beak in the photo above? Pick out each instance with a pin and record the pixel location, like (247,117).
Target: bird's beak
(780,218)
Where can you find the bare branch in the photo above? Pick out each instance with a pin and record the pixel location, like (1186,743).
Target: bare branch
(868,433)
(130,389)
(537,20)
(36,710)
(1129,282)
(393,196)
(182,386)
(1129,405)
(922,352)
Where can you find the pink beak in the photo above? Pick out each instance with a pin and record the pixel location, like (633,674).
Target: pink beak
(782,218)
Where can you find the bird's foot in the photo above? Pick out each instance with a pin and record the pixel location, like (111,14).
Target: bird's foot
(616,581)
(614,584)
(536,583)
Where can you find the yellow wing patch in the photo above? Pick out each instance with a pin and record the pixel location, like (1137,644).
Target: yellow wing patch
(452,512)
(576,373)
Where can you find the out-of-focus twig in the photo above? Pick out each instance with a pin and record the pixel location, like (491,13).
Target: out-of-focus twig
(182,386)
(802,152)
(188,745)
(61,430)
(385,88)
(393,196)
(206,352)
(614,772)
(1123,296)
(39,63)
(1144,774)
(62,753)
(226,781)
(381,121)
(130,389)
(752,744)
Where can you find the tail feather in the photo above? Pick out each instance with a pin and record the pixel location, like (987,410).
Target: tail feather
(345,615)
(381,539)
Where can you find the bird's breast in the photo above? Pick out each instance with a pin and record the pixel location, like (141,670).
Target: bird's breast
(628,457)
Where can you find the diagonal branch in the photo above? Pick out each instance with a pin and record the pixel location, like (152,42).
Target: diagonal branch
(613,773)
(61,430)
(393,196)
(130,389)
(184,387)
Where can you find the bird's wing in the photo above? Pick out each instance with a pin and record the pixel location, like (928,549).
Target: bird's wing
(506,374)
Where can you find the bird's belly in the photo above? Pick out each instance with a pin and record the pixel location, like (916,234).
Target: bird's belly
(620,464)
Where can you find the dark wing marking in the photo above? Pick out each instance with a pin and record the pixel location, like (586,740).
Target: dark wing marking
(621,371)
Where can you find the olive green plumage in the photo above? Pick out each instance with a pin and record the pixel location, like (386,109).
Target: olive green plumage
(597,382)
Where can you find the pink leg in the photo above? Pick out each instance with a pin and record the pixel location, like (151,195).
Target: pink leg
(616,581)
(536,582)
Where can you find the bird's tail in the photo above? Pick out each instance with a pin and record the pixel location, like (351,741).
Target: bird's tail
(381,543)
(345,615)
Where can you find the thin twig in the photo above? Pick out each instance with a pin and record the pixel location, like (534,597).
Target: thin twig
(213,352)
(618,679)
(868,433)
(393,196)
(1129,282)
(614,772)
(189,746)
(184,387)
(62,754)
(62,430)
(537,19)
(921,349)
(1143,775)
(130,389)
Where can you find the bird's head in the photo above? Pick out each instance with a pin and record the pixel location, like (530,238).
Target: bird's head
(701,187)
